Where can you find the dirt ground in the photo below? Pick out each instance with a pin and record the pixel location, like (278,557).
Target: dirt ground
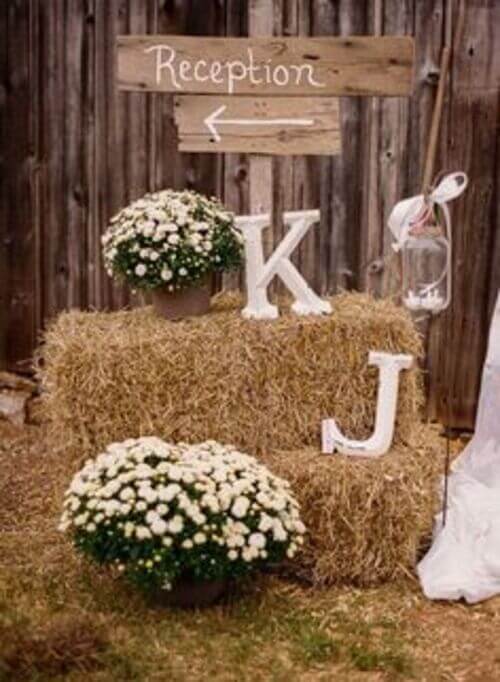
(62,619)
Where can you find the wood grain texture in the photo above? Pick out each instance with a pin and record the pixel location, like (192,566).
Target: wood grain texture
(5,293)
(17,191)
(457,343)
(354,65)
(235,185)
(261,22)
(73,150)
(277,125)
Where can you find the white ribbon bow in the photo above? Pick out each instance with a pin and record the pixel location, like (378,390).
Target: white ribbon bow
(406,211)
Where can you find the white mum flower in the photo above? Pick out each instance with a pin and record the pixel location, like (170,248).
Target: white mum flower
(148,228)
(157,214)
(166,274)
(240,507)
(142,533)
(74,503)
(173,238)
(144,471)
(151,517)
(279,503)
(140,270)
(279,533)
(299,527)
(257,540)
(159,527)
(265,523)
(249,553)
(200,226)
(211,502)
(199,538)
(127,494)
(175,473)
(81,519)
(176,524)
(148,494)
(169,492)
(79,487)
(128,529)
(195,239)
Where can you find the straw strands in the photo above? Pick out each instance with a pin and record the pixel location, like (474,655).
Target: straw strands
(368,520)
(260,385)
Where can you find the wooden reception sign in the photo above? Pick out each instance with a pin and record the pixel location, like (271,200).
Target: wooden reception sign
(270,125)
(355,65)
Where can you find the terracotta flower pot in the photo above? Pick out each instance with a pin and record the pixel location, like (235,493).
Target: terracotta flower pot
(175,305)
(189,594)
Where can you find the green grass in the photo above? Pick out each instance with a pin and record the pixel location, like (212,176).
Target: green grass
(392,661)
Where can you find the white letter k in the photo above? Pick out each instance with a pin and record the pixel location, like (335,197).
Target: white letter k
(260,274)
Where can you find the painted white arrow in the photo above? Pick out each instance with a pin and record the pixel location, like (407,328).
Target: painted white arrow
(214,119)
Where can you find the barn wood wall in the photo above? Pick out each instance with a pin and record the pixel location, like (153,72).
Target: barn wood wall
(73,150)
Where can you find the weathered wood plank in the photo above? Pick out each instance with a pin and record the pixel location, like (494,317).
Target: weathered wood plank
(347,173)
(35,147)
(77,131)
(354,65)
(100,114)
(393,152)
(315,254)
(53,158)
(458,340)
(115,129)
(235,186)
(278,125)
(5,227)
(17,165)
(429,16)
(372,228)
(261,22)
(298,174)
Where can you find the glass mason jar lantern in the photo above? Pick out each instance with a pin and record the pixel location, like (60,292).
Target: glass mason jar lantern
(422,228)
(426,260)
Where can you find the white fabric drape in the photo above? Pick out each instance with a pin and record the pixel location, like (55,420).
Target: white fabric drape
(464,560)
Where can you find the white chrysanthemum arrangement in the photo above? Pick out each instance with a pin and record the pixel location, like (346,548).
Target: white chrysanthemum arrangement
(164,512)
(171,239)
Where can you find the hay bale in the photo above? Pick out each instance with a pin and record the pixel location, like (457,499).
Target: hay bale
(260,385)
(368,520)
